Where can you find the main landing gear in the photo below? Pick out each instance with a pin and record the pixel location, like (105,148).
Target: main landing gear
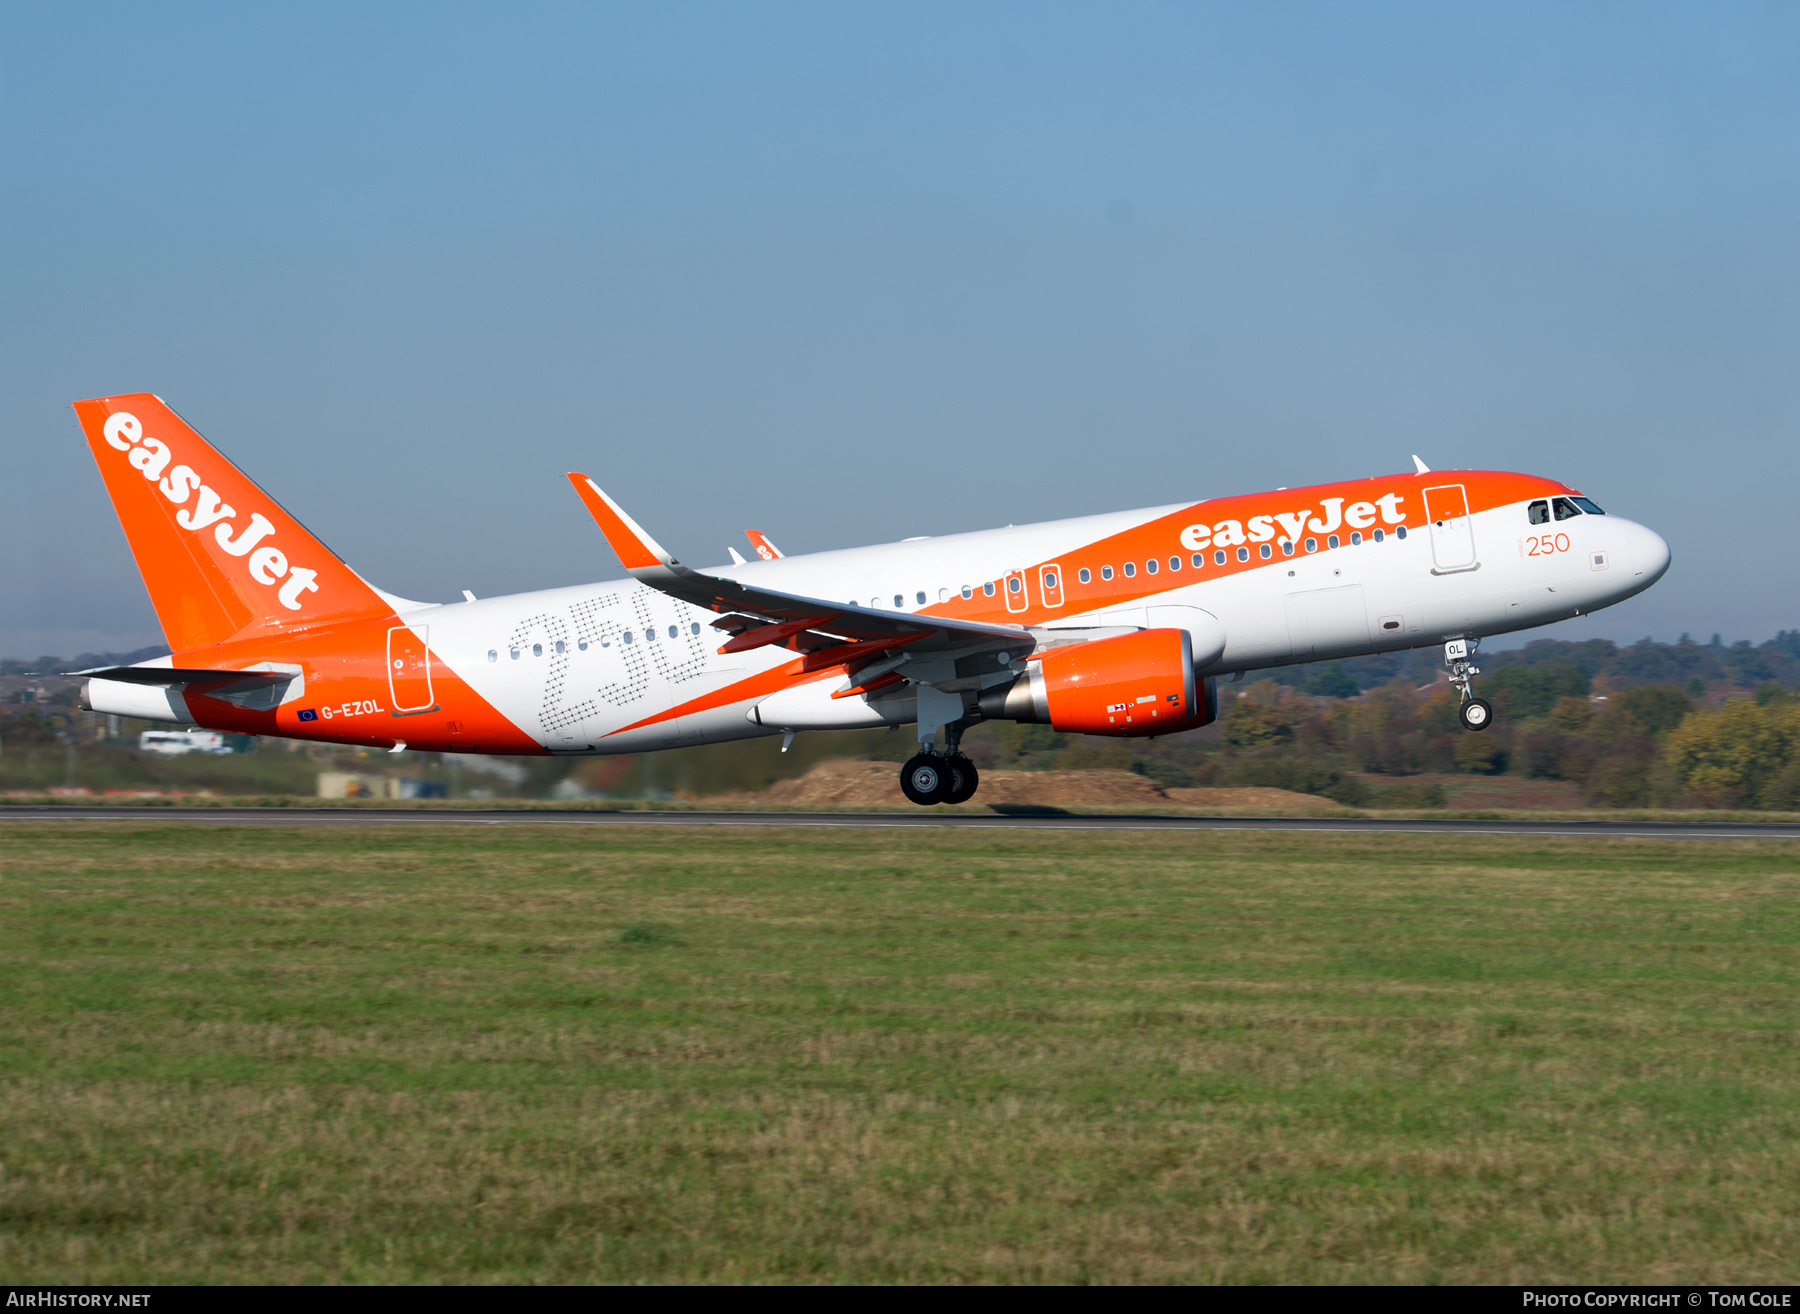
(1475,713)
(941,778)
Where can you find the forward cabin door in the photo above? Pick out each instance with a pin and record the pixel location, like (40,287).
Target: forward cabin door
(409,669)
(1452,533)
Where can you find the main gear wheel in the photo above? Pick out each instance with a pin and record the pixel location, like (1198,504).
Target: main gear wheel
(964,779)
(926,779)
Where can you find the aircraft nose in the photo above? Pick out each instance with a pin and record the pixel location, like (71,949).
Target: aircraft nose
(1649,555)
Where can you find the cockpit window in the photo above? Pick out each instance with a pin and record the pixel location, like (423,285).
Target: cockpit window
(1565,509)
(1540,513)
(1587,505)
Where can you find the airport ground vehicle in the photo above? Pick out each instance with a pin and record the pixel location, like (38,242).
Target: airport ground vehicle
(1113,624)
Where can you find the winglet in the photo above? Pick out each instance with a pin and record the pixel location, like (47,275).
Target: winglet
(637,550)
(1419,466)
(764,549)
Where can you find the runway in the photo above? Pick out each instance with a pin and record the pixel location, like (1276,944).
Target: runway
(1036,819)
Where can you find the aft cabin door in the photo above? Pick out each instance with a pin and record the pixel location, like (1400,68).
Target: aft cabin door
(409,669)
(1452,533)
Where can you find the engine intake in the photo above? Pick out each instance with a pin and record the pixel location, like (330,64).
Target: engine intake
(1133,684)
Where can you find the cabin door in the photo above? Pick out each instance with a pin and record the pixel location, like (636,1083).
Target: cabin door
(1452,532)
(409,668)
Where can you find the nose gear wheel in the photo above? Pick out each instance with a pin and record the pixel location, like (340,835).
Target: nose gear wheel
(1475,713)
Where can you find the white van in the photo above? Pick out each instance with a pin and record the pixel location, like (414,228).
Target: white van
(173,743)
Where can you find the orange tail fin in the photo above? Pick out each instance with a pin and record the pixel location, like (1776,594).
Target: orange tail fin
(217,554)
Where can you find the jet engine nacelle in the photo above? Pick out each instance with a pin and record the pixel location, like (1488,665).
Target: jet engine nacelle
(1133,684)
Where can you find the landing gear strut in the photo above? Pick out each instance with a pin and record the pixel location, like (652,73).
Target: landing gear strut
(1475,713)
(941,778)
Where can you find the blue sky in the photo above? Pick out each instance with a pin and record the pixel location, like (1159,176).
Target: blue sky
(849,274)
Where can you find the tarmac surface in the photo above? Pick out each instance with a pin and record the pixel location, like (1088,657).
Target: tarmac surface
(1020,819)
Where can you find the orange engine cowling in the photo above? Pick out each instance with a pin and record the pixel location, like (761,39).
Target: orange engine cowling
(1135,684)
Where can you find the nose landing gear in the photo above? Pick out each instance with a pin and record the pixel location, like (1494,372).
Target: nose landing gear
(1475,713)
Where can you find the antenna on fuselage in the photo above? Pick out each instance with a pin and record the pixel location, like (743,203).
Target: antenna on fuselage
(1420,466)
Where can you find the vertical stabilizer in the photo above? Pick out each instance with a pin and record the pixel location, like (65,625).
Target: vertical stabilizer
(219,557)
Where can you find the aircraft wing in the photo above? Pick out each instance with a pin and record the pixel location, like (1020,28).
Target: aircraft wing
(786,615)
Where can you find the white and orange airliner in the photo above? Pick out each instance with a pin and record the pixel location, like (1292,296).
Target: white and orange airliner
(1114,624)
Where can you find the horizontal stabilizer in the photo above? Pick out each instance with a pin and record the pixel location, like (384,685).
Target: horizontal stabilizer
(173,675)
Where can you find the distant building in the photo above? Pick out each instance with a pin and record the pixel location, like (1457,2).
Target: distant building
(352,784)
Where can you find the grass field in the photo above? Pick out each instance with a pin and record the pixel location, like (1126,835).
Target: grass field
(549,1054)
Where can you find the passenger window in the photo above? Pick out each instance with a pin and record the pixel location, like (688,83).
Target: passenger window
(560,647)
(920,595)
(1379,536)
(1287,547)
(626,637)
(1219,558)
(1150,566)
(1050,580)
(674,631)
(1106,572)
(537,650)
(1264,550)
(943,595)
(1587,505)
(874,604)
(1174,563)
(1356,539)
(694,628)
(1014,584)
(650,635)
(1130,569)
(1199,560)
(1332,541)
(1539,513)
(1085,575)
(493,656)
(1400,533)
(1565,509)
(899,601)
(1312,545)
(967,592)
(1243,554)
(987,589)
